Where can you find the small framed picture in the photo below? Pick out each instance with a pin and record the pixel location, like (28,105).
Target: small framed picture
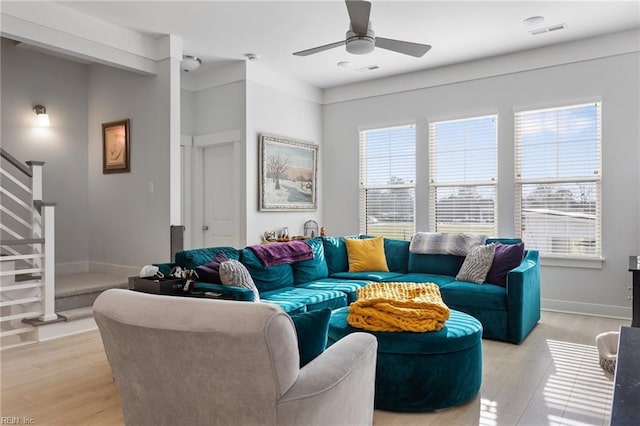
(115,147)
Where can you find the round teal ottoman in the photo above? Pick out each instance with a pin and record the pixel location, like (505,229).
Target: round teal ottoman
(423,371)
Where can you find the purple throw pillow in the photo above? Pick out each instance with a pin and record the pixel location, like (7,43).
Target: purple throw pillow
(506,257)
(209,272)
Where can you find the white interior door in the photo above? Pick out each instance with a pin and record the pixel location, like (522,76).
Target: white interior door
(220,200)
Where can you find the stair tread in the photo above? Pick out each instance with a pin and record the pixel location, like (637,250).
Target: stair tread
(77,313)
(88,288)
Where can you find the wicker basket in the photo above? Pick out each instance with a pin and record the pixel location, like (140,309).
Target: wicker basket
(607,344)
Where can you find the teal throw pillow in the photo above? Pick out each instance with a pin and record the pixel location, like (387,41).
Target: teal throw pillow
(312,328)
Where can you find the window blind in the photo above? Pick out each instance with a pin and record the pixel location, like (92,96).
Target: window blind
(463,175)
(387,181)
(558,180)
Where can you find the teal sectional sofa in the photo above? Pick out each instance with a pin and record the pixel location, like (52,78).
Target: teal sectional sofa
(507,313)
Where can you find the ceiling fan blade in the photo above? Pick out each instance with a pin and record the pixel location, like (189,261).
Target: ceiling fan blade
(319,49)
(406,47)
(359,12)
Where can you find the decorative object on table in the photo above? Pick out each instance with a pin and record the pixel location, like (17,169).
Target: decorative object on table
(115,147)
(323,232)
(287,174)
(270,236)
(310,229)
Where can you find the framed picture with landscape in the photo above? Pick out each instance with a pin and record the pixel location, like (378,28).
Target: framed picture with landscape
(287,174)
(115,147)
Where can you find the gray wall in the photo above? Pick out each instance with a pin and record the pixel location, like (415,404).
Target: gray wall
(615,80)
(129,225)
(270,110)
(30,78)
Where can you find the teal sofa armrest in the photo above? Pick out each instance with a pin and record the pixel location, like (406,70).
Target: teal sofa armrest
(226,291)
(523,297)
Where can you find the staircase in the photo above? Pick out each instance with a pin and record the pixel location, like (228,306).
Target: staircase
(27,256)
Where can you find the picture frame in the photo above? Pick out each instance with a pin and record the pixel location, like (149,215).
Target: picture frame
(115,147)
(288,174)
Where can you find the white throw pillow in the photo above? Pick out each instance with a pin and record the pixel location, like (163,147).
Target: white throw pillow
(477,264)
(235,273)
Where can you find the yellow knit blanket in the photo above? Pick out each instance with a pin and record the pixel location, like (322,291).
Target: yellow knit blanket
(398,307)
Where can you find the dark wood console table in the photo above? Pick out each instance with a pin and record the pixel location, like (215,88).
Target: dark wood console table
(626,386)
(634,267)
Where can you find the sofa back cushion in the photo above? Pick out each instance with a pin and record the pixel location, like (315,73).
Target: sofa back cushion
(335,252)
(191,259)
(441,264)
(312,269)
(267,278)
(397,253)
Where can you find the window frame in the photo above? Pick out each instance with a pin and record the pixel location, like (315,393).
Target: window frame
(362,176)
(550,258)
(433,185)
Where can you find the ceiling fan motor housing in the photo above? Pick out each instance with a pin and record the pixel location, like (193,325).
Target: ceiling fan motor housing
(360,44)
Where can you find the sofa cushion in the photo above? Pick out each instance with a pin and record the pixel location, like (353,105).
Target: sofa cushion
(397,254)
(441,264)
(366,255)
(462,293)
(234,273)
(335,252)
(505,258)
(311,328)
(291,307)
(419,277)
(267,278)
(348,287)
(477,263)
(191,259)
(369,276)
(312,269)
(312,299)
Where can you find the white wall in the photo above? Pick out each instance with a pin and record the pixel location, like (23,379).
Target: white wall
(274,111)
(129,225)
(616,80)
(30,78)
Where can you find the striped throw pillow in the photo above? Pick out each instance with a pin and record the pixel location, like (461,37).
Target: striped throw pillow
(477,264)
(235,273)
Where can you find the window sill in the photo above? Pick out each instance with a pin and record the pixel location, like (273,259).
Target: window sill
(572,262)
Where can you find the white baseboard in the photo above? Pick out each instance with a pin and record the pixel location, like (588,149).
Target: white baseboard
(72,268)
(62,329)
(593,309)
(110,268)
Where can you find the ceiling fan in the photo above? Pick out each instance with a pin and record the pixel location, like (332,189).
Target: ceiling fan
(361,39)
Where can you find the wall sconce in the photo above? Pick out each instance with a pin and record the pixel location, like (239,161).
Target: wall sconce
(41,115)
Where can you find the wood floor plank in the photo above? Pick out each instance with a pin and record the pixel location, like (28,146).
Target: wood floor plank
(551,378)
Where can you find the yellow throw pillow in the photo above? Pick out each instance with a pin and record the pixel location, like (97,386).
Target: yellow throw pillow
(366,255)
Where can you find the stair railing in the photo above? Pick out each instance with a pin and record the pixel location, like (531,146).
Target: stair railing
(28,238)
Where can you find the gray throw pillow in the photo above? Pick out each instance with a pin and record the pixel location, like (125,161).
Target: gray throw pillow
(235,273)
(477,264)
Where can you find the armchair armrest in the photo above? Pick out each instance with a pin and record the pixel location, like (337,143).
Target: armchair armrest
(336,388)
(523,297)
(229,292)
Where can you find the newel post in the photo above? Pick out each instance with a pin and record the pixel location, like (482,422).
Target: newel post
(49,263)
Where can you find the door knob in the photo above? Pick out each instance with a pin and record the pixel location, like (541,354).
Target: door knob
(205,228)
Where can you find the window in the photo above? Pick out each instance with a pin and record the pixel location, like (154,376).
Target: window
(558,180)
(387,182)
(463,160)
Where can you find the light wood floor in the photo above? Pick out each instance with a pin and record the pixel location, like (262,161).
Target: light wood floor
(553,378)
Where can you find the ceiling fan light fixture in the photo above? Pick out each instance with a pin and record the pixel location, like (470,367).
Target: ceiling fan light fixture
(358,44)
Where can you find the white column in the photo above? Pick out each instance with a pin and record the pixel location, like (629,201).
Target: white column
(49,269)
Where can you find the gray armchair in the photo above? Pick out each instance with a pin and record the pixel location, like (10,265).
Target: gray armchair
(189,361)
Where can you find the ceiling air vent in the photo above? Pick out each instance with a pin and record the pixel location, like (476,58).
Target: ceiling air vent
(548,29)
(367,68)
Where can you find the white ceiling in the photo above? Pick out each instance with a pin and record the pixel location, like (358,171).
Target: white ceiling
(223,31)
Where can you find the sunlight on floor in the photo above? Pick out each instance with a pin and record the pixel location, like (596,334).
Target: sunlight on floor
(577,384)
(575,391)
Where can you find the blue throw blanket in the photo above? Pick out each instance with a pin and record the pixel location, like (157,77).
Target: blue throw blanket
(280,253)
